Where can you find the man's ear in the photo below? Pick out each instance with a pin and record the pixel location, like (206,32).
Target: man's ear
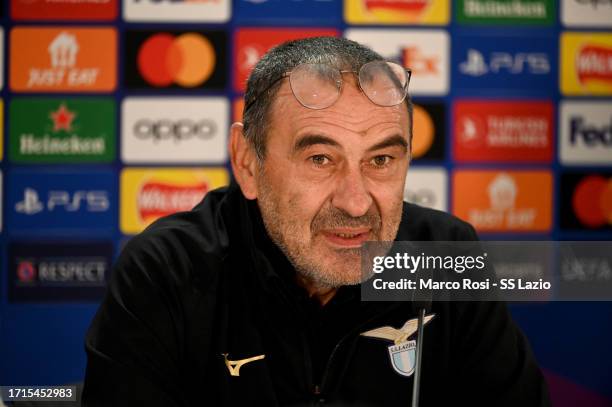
(244,161)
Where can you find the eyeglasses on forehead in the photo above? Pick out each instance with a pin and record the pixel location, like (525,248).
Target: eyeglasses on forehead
(318,86)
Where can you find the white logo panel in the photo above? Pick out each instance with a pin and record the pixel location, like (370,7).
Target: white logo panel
(174,130)
(586,13)
(217,11)
(585,132)
(425,52)
(427,187)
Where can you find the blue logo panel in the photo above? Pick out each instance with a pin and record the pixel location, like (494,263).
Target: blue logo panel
(289,12)
(59,200)
(505,63)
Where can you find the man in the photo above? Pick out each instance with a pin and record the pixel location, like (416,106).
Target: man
(252,298)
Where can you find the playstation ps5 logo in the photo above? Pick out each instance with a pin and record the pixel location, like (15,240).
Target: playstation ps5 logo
(476,64)
(91,201)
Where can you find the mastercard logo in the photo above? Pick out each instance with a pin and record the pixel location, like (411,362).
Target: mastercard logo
(187,60)
(592,201)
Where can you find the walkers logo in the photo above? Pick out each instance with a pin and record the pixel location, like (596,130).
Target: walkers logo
(429,130)
(585,132)
(586,13)
(148,194)
(287,13)
(425,52)
(62,130)
(586,63)
(64,9)
(488,130)
(58,271)
(427,186)
(174,130)
(59,200)
(497,62)
(63,59)
(397,11)
(498,201)
(586,201)
(217,11)
(176,59)
(541,12)
(252,43)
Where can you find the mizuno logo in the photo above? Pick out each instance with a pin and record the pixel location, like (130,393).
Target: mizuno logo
(234,365)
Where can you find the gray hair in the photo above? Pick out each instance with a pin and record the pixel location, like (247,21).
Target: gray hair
(263,83)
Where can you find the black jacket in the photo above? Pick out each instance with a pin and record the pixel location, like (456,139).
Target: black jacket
(200,284)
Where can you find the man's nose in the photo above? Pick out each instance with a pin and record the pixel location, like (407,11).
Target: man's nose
(351,194)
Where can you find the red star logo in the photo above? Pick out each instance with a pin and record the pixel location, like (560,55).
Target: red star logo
(62,118)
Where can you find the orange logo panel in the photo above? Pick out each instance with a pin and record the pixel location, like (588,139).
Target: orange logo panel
(504,201)
(63,59)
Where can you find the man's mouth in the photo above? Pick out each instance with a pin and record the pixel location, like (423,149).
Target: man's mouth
(347,238)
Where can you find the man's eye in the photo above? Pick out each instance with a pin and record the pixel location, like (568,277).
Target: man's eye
(319,159)
(381,160)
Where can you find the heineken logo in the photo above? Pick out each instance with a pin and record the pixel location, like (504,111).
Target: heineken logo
(62,131)
(500,11)
(62,118)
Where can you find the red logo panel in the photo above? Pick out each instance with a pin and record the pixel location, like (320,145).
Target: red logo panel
(101,10)
(518,131)
(252,43)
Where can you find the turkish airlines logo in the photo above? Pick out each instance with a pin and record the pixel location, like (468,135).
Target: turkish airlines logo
(503,131)
(63,59)
(187,60)
(252,43)
(504,201)
(88,201)
(594,63)
(476,64)
(157,199)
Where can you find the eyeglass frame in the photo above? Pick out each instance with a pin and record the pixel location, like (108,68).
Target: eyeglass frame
(341,71)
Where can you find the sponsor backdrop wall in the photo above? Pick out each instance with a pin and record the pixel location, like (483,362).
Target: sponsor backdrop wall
(116,112)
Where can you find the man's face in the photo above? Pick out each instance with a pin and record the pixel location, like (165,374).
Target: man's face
(331,180)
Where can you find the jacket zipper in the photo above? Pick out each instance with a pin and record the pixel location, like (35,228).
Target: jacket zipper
(319,390)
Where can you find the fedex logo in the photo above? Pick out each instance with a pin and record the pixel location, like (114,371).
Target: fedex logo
(585,132)
(505,63)
(59,200)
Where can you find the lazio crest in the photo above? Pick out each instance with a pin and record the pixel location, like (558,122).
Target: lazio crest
(403,357)
(403,352)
